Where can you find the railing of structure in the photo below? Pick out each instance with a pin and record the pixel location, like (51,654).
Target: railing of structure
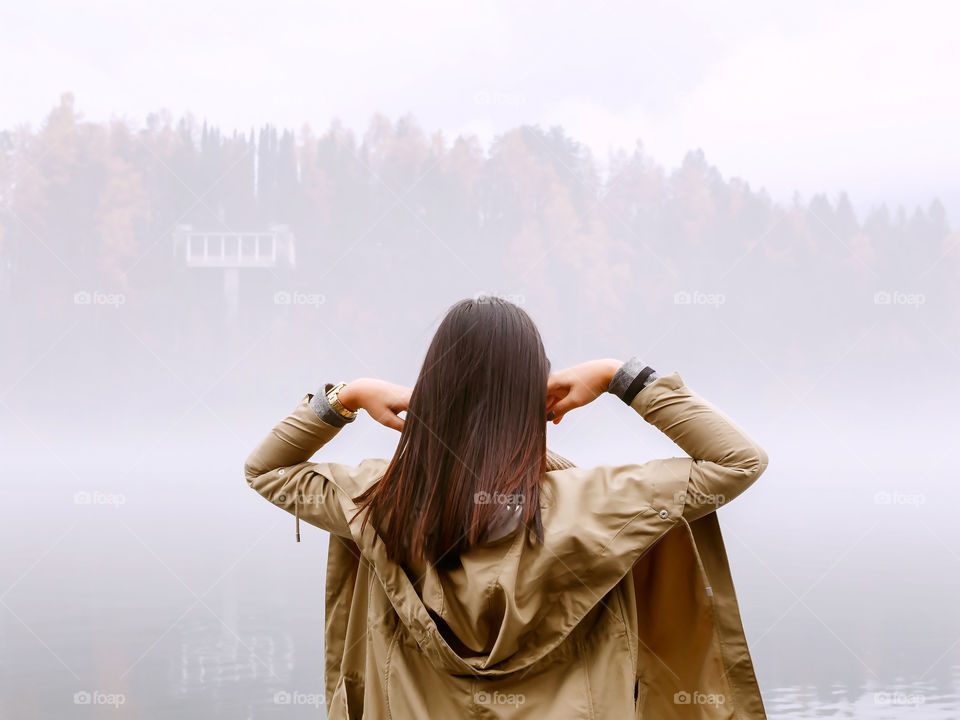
(200,249)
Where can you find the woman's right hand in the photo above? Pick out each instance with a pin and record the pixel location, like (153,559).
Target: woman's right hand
(578,386)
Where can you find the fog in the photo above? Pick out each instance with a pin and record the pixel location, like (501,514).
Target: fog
(175,278)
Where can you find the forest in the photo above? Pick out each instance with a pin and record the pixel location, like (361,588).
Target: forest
(90,210)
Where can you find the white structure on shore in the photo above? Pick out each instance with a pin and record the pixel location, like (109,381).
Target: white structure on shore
(231,251)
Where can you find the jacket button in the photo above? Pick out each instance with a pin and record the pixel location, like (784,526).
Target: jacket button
(664,514)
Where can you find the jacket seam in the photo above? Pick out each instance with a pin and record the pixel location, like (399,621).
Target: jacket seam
(586,678)
(640,701)
(626,630)
(388,668)
(723,653)
(713,611)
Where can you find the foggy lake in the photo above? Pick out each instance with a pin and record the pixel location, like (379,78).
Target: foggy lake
(207,213)
(140,565)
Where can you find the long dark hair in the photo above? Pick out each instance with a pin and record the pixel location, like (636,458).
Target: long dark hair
(473,444)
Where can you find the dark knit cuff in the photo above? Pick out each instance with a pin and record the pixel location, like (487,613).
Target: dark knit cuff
(627,381)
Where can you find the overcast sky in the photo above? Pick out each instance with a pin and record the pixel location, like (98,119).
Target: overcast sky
(810,96)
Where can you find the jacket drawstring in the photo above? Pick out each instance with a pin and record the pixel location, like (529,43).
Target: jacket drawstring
(296,508)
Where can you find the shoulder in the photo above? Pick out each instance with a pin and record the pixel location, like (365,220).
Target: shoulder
(602,504)
(597,521)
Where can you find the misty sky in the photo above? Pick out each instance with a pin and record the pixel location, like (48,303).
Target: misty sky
(813,96)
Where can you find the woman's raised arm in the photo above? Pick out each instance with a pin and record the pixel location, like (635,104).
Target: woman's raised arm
(279,468)
(725,459)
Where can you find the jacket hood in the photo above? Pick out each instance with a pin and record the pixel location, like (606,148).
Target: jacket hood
(510,602)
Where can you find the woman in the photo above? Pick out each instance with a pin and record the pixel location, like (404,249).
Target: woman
(477,574)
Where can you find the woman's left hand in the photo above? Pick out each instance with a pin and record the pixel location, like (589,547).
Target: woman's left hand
(382,400)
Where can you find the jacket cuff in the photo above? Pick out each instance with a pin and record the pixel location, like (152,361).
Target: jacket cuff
(655,392)
(321,406)
(624,377)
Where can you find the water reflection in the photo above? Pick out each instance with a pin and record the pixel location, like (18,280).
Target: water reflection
(920,700)
(214,660)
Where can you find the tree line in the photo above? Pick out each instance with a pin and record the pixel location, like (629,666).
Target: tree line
(397,213)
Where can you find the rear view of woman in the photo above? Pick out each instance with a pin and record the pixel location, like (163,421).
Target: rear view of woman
(478,574)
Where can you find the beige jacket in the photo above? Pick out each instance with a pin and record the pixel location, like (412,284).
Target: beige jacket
(627,609)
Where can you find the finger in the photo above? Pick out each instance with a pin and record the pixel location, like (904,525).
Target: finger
(392,420)
(556,396)
(563,406)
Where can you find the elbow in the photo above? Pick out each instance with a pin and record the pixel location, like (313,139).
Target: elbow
(757,464)
(750,466)
(251,470)
(747,461)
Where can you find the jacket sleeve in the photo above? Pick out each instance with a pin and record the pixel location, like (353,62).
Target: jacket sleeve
(279,468)
(726,460)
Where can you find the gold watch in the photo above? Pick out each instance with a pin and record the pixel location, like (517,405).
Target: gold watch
(334,400)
